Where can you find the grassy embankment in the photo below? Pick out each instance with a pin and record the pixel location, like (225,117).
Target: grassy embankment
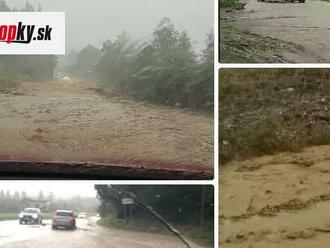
(268,111)
(202,237)
(227,3)
(8,216)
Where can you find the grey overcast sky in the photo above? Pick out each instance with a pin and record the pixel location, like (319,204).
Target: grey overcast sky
(61,189)
(95,21)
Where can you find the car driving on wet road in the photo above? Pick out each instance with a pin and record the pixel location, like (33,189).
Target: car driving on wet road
(82,215)
(30,215)
(64,218)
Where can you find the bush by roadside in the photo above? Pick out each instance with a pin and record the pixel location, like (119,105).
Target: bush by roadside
(227,3)
(165,70)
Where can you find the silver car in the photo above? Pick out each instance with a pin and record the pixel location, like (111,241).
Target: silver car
(64,218)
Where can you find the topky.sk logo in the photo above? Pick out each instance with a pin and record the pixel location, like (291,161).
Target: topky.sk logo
(21,33)
(32,33)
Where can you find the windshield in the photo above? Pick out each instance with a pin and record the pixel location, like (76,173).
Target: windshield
(31,211)
(132,96)
(64,213)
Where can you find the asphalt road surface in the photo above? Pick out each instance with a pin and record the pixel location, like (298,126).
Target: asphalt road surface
(305,24)
(87,235)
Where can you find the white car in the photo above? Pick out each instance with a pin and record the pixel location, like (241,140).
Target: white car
(66,79)
(30,215)
(82,215)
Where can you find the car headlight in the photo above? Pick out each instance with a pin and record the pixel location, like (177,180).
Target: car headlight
(20,215)
(34,216)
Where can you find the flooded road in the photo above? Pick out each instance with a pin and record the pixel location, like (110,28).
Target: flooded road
(73,121)
(88,234)
(305,24)
(276,201)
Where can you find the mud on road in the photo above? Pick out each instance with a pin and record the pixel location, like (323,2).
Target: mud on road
(291,32)
(61,121)
(276,201)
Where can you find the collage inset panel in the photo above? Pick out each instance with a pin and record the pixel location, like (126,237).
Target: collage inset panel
(59,214)
(274,156)
(274,31)
(131,99)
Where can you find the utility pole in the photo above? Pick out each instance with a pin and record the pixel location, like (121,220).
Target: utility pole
(125,212)
(202,207)
(130,212)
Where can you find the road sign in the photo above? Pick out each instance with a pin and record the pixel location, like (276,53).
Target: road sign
(127,201)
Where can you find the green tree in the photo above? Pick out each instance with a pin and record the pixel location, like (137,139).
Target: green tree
(114,65)
(86,61)
(200,90)
(179,204)
(164,70)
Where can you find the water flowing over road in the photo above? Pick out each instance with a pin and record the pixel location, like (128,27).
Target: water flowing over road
(281,200)
(307,25)
(88,234)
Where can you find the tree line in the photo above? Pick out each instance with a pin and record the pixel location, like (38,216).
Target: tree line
(14,202)
(165,70)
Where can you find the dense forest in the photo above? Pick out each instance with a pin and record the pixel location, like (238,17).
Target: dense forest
(182,205)
(27,67)
(165,70)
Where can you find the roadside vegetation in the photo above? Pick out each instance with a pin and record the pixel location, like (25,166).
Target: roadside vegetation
(12,203)
(164,70)
(266,111)
(8,216)
(182,206)
(227,3)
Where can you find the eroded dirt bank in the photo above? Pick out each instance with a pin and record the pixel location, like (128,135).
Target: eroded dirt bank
(70,121)
(290,32)
(277,201)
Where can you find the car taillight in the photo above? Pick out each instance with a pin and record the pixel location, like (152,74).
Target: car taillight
(53,217)
(70,218)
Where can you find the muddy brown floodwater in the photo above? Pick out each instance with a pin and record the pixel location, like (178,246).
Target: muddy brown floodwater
(276,201)
(87,235)
(305,24)
(72,122)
